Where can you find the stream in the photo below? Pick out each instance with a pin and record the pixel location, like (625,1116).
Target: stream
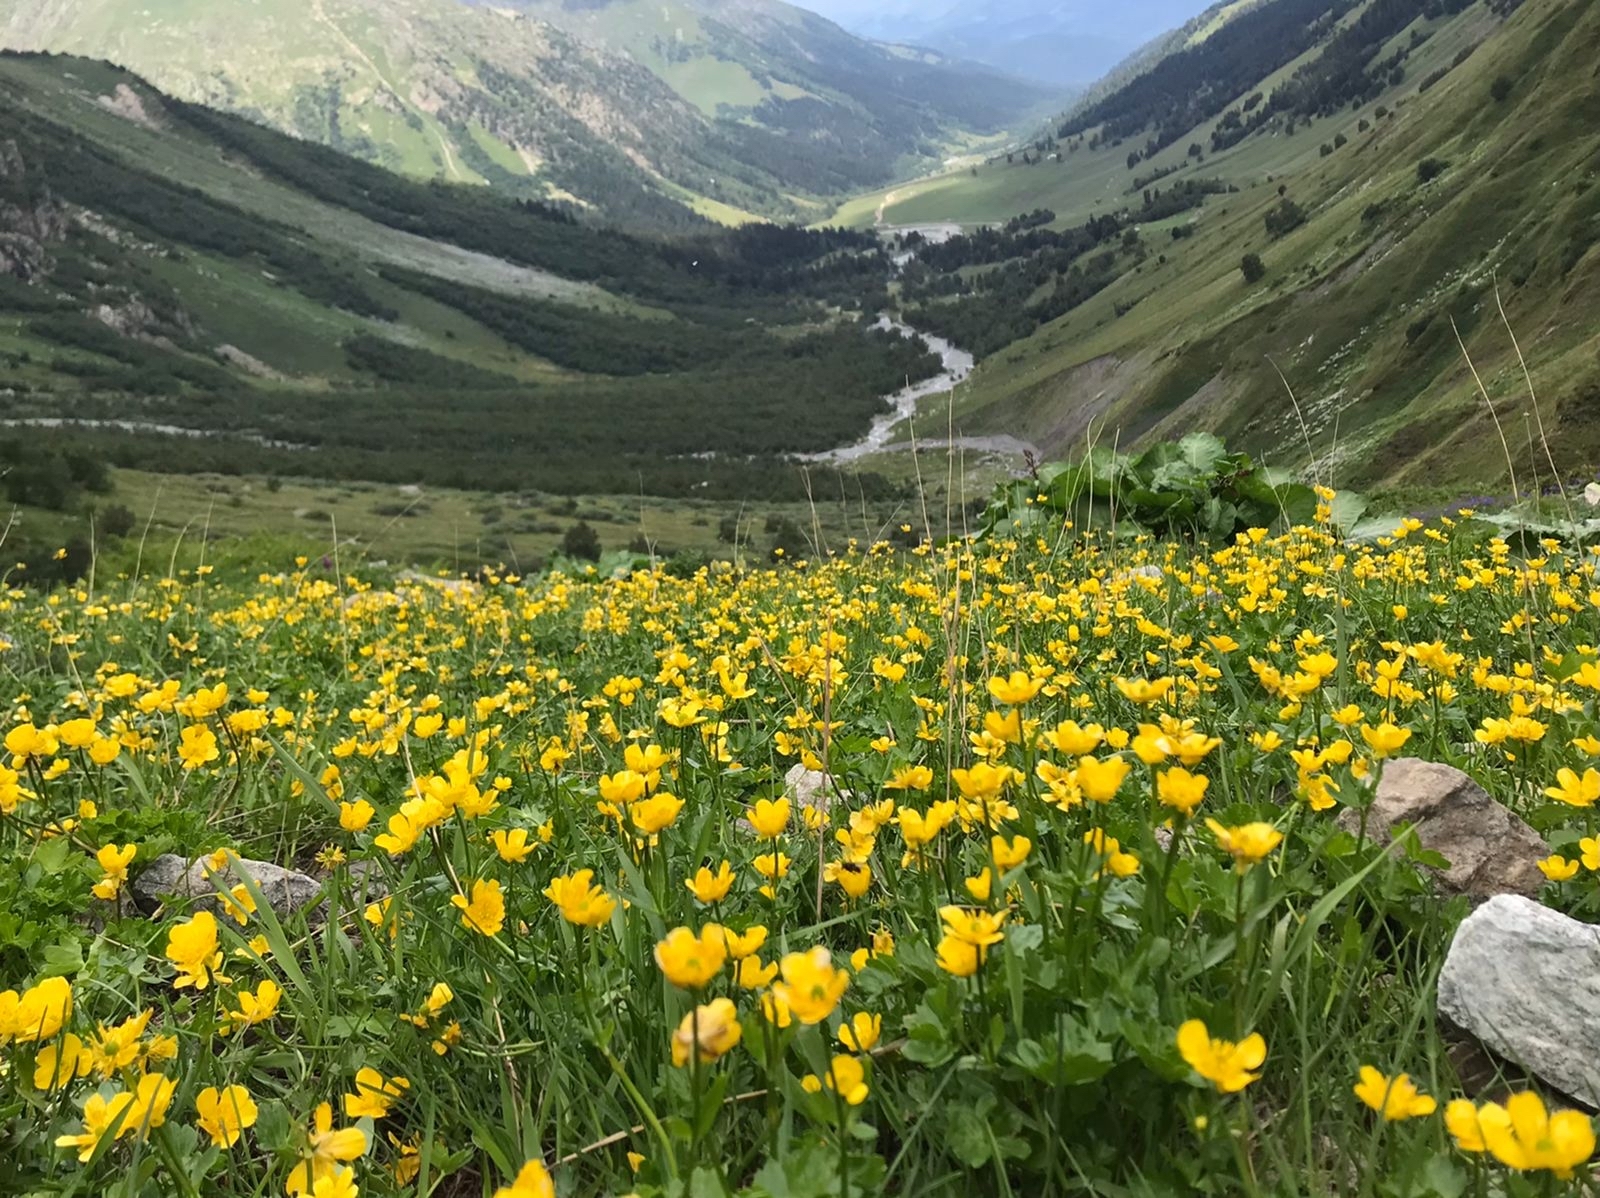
(903,404)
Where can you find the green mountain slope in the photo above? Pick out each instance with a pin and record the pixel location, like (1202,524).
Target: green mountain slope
(1403,186)
(183,290)
(757,108)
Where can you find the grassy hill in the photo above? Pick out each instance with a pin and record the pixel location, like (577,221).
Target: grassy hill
(1457,181)
(644,113)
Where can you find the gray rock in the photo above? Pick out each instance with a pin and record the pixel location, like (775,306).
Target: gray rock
(1490,849)
(1525,981)
(171,876)
(810,788)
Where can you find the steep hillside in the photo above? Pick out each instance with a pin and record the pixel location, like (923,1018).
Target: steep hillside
(183,290)
(1409,179)
(643,112)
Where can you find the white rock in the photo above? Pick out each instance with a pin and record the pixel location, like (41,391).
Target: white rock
(1525,981)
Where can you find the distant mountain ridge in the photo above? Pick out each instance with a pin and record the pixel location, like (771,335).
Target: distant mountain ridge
(1060,42)
(646,112)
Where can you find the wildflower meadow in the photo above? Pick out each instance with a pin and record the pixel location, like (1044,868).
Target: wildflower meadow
(1008,866)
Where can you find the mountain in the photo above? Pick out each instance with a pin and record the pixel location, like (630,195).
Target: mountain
(1279,231)
(641,112)
(1059,42)
(183,290)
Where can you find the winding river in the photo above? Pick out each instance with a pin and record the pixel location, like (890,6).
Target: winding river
(903,404)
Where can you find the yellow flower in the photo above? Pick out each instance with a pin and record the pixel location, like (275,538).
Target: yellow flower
(713,1029)
(981,929)
(1100,780)
(769,817)
(533,1181)
(846,1077)
(224,1114)
(197,746)
(114,862)
(325,1149)
(1012,854)
(742,946)
(1395,1099)
(812,986)
(1221,1062)
(1073,740)
(1179,789)
(580,901)
(1574,790)
(959,958)
(1247,843)
(623,787)
(1589,846)
(861,1033)
(753,975)
(772,866)
(1523,1136)
(354,817)
(853,877)
(651,815)
(61,1062)
(373,1095)
(486,912)
(1557,868)
(253,1008)
(1015,690)
(1385,739)
(980,885)
(1143,692)
(341,1183)
(910,777)
(710,887)
(192,947)
(513,846)
(1461,1120)
(984,782)
(690,961)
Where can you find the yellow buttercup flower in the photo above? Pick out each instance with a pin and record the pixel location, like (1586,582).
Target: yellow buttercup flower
(1385,739)
(1226,1065)
(1522,1135)
(192,946)
(1018,688)
(325,1149)
(374,1096)
(512,845)
(708,887)
(846,1077)
(1574,789)
(1179,789)
(532,1181)
(690,961)
(485,912)
(812,986)
(579,900)
(1246,843)
(1394,1098)
(709,1031)
(769,817)
(224,1114)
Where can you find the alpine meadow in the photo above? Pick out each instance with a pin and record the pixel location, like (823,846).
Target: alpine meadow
(704,598)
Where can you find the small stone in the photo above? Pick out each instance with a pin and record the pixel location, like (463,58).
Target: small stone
(172,876)
(1525,981)
(1490,849)
(810,788)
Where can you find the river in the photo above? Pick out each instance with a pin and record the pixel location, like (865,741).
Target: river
(903,404)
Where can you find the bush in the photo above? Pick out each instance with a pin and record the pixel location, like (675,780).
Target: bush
(1430,169)
(1253,268)
(1284,219)
(581,542)
(1500,89)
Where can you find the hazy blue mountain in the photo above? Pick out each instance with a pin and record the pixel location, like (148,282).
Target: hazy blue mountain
(1072,42)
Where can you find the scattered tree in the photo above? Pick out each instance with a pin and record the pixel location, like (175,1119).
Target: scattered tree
(1253,268)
